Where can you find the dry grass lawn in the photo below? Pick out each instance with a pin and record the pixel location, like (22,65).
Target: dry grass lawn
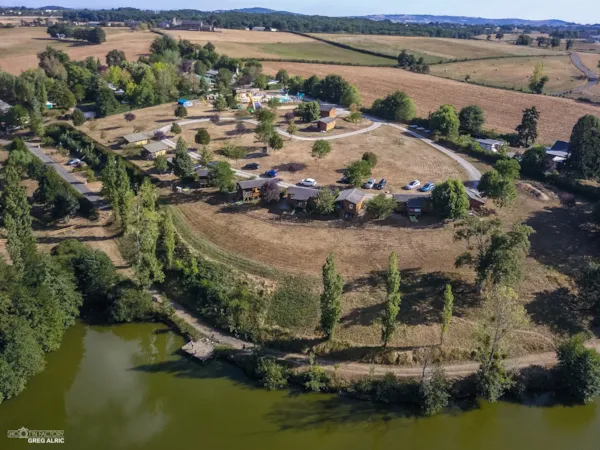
(503,108)
(242,36)
(514,73)
(441,48)
(19,46)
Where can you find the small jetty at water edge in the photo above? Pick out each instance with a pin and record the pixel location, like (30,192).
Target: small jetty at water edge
(202,349)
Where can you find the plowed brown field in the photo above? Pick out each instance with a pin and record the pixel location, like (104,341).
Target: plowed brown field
(503,109)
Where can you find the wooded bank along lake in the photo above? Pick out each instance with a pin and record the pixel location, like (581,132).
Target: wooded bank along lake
(128,387)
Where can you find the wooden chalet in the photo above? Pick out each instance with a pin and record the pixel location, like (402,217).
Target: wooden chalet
(154,149)
(250,189)
(301,197)
(136,138)
(413,204)
(350,202)
(203,175)
(476,200)
(327,110)
(325,124)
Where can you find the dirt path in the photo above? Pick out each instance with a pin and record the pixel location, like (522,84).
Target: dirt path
(355,369)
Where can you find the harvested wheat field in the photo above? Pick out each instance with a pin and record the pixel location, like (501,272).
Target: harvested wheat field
(19,46)
(514,73)
(439,48)
(503,108)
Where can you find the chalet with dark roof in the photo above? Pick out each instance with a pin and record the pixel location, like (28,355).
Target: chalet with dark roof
(250,189)
(301,197)
(350,202)
(326,110)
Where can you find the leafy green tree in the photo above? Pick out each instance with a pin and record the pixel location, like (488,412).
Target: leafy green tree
(233,151)
(206,156)
(350,96)
(124,194)
(392,300)
(36,121)
(331,297)
(446,312)
(320,149)
(283,77)
(65,205)
(106,103)
(356,171)
(78,117)
(17,116)
(183,166)
(308,111)
(167,239)
(96,35)
(161,164)
(434,392)
(493,380)
(370,157)
(471,119)
(131,305)
(115,58)
(202,137)
(270,191)
(270,374)
(325,201)
(175,128)
(143,231)
(501,190)
(527,130)
(292,128)
(588,286)
(276,141)
(538,80)
(444,121)
(355,117)
(579,370)
(584,147)
(397,106)
(181,111)
(508,168)
(95,274)
(524,39)
(381,206)
(497,257)
(17,220)
(220,103)
(535,161)
(274,103)
(222,176)
(450,199)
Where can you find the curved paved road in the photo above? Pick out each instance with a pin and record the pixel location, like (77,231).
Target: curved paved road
(591,76)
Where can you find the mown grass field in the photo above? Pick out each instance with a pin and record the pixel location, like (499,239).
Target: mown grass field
(434,49)
(278,45)
(19,46)
(514,73)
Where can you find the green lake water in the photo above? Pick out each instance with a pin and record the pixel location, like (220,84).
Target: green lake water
(127,387)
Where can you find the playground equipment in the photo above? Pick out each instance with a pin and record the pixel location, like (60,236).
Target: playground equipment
(254,105)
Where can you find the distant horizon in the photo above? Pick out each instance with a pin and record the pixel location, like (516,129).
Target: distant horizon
(454,8)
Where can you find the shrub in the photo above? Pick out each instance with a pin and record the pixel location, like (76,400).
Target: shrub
(181,112)
(371,158)
(159,135)
(435,394)
(270,191)
(493,380)
(315,379)
(356,171)
(131,305)
(397,106)
(579,370)
(325,201)
(271,376)
(175,128)
(381,206)
(202,137)
(78,117)
(508,168)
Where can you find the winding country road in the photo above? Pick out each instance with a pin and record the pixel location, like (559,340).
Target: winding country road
(591,76)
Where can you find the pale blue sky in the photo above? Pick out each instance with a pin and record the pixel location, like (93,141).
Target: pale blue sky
(582,11)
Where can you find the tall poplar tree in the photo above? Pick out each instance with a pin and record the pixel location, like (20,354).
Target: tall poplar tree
(17,220)
(447,312)
(392,301)
(143,229)
(167,238)
(331,298)
(124,194)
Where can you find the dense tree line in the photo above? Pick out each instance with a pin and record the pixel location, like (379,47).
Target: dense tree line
(94,35)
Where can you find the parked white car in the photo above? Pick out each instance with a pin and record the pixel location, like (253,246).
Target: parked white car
(413,185)
(370,183)
(308,182)
(74,162)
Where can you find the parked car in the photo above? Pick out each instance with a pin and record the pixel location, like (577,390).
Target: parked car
(308,182)
(251,166)
(413,185)
(381,185)
(271,173)
(428,187)
(74,162)
(344,180)
(370,183)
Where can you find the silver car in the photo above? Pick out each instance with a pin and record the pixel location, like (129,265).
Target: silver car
(370,183)
(413,185)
